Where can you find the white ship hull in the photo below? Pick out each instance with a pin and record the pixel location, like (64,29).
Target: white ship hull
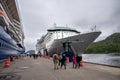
(78,42)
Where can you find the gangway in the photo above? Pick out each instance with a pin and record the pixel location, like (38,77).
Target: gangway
(68,49)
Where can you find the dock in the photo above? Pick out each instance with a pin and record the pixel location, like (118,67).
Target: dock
(42,69)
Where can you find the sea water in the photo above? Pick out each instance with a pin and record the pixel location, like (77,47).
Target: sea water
(107,59)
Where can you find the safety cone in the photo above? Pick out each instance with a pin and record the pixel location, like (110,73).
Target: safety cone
(81,63)
(7,62)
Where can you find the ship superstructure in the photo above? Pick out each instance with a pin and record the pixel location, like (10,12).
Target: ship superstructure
(53,41)
(54,33)
(11,35)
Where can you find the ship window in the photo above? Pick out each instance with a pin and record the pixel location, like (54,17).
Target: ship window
(0,44)
(4,45)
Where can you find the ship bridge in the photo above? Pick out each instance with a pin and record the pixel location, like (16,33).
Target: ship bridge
(61,28)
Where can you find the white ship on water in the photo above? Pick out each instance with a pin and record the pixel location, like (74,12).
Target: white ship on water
(53,41)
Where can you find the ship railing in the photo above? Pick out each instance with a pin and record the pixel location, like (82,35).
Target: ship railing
(6,10)
(3,18)
(90,31)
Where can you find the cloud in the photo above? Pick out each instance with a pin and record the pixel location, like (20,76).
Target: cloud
(39,15)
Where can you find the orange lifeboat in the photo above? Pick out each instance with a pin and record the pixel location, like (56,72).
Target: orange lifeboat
(3,18)
(1,12)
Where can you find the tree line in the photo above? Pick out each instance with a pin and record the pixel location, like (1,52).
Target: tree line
(110,45)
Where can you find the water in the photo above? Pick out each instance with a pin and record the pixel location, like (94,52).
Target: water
(107,59)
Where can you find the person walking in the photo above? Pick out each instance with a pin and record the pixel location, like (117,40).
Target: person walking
(74,61)
(60,57)
(63,61)
(78,59)
(55,61)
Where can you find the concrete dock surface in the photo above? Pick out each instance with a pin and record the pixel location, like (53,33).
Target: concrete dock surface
(42,69)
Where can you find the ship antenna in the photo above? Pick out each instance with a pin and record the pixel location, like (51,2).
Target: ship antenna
(54,24)
(66,25)
(92,29)
(95,27)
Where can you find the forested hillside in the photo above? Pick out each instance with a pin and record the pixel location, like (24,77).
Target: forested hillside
(110,45)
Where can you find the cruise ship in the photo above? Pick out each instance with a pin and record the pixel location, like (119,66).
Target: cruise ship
(59,39)
(11,30)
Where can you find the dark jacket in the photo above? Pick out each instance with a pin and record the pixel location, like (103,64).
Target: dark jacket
(78,59)
(63,59)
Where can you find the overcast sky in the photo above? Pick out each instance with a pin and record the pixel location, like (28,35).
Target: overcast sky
(39,15)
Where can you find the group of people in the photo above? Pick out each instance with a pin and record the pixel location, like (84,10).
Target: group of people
(77,60)
(60,60)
